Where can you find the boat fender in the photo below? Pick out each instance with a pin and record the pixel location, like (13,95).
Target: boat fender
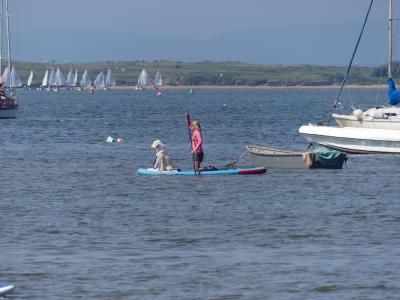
(358,113)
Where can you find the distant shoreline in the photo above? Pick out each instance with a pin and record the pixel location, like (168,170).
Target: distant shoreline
(260,88)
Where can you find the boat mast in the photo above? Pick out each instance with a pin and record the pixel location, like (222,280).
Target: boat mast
(1,39)
(9,45)
(390,18)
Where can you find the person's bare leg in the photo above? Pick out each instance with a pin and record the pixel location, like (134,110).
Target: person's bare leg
(197,165)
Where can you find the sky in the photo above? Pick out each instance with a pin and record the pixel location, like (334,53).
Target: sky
(180,20)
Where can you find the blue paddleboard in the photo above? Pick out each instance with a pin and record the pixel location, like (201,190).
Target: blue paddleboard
(238,171)
(5,288)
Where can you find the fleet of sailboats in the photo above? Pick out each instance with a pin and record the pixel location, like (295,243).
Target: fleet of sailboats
(144,81)
(54,80)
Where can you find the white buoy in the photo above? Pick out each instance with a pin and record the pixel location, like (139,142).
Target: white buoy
(110,140)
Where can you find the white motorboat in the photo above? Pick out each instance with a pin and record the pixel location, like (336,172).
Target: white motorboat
(353,140)
(384,117)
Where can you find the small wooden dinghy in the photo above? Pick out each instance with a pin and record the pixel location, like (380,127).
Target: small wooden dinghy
(286,159)
(233,171)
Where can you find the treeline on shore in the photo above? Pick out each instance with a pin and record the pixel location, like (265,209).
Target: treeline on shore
(228,73)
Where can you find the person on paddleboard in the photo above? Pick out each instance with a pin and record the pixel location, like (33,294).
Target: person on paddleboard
(197,144)
(162,161)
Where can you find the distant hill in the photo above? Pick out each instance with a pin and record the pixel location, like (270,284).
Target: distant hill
(328,44)
(226,73)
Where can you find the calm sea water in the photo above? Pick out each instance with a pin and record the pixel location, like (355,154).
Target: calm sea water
(77,222)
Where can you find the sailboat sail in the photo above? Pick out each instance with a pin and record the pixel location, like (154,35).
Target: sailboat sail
(143,79)
(30,78)
(6,77)
(16,80)
(158,80)
(110,81)
(85,81)
(11,80)
(75,82)
(45,78)
(52,78)
(60,79)
(99,82)
(70,78)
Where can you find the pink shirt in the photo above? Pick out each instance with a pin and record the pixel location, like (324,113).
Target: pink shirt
(197,141)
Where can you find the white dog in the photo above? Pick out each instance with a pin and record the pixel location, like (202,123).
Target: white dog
(162,160)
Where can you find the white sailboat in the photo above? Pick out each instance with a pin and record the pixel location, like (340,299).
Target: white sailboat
(45,80)
(60,79)
(100,82)
(373,131)
(143,80)
(70,79)
(8,93)
(85,80)
(29,81)
(158,79)
(384,117)
(75,81)
(52,83)
(11,79)
(110,80)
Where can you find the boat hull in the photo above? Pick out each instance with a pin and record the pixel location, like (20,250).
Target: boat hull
(353,140)
(9,113)
(283,159)
(239,171)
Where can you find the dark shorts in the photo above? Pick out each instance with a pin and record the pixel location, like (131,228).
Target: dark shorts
(198,156)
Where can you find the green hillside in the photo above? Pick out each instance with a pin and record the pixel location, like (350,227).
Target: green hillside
(218,73)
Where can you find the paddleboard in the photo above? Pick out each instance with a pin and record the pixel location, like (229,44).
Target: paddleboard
(5,289)
(238,171)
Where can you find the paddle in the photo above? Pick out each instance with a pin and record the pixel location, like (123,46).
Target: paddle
(190,138)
